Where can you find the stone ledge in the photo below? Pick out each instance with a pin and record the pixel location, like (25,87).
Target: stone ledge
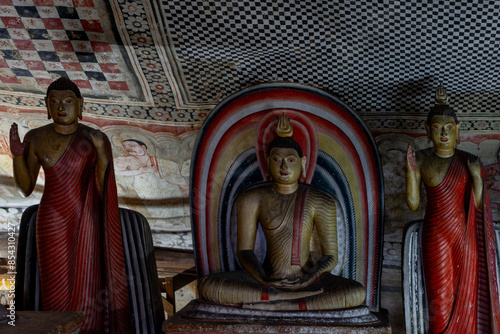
(202,317)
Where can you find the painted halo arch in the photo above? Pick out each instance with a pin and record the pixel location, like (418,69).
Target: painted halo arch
(225,161)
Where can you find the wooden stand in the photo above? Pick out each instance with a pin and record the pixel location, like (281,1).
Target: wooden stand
(176,269)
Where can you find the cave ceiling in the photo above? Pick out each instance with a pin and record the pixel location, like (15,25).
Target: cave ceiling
(173,61)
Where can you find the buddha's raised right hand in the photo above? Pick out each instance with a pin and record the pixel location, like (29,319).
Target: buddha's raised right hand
(411,160)
(412,180)
(16,147)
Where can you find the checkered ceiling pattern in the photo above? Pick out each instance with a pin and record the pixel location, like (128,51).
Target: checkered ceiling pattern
(377,56)
(172,61)
(41,40)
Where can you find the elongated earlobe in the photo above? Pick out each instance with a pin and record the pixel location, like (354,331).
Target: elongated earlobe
(427,130)
(303,163)
(268,172)
(47,104)
(80,113)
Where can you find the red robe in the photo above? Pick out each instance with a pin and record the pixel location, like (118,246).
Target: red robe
(79,241)
(459,256)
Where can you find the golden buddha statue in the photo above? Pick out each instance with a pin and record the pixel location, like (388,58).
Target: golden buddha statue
(290,214)
(457,234)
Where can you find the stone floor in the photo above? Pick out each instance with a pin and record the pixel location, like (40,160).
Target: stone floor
(391,298)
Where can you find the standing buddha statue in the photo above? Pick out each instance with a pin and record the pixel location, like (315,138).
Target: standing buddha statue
(457,234)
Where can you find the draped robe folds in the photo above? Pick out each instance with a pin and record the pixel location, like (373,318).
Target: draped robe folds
(459,256)
(288,256)
(79,241)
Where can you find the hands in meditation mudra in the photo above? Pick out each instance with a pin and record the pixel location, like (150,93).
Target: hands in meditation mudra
(290,214)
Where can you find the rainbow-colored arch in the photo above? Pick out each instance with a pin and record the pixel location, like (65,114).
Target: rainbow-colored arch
(343,160)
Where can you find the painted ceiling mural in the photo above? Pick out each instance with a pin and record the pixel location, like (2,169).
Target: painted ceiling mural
(152,70)
(172,61)
(111,49)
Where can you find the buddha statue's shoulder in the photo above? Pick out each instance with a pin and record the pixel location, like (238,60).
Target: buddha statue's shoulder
(465,155)
(424,154)
(42,139)
(87,131)
(256,190)
(316,192)
(39,132)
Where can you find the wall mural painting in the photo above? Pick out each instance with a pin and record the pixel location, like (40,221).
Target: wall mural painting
(152,177)
(492,175)
(151,163)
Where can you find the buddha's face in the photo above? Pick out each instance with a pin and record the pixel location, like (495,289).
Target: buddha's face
(64,107)
(443,131)
(285,165)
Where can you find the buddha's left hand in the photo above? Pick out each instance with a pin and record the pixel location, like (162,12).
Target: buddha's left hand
(474,166)
(98,139)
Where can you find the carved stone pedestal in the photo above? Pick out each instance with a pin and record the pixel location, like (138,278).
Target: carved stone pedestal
(48,322)
(202,317)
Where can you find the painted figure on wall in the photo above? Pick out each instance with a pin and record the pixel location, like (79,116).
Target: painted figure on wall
(289,212)
(5,167)
(457,236)
(78,231)
(157,182)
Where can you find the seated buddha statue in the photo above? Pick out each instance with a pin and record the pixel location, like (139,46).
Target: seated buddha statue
(290,213)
